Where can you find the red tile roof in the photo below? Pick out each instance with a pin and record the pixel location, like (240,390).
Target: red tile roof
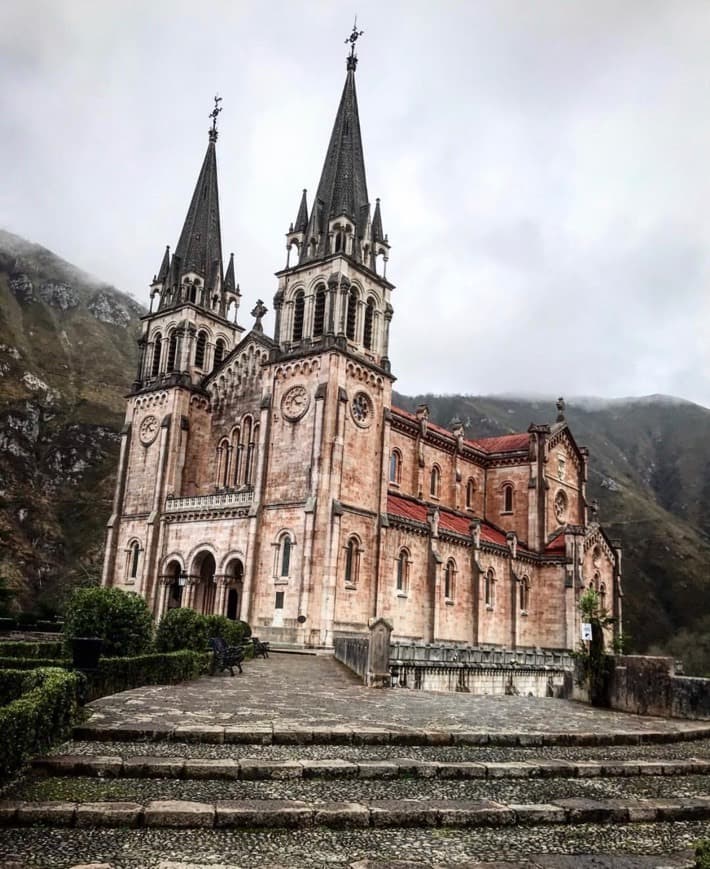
(557,544)
(502,444)
(448,520)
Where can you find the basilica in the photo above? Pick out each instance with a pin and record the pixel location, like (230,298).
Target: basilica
(271,479)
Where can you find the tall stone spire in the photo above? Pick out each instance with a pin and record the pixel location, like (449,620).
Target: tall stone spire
(342,190)
(196,273)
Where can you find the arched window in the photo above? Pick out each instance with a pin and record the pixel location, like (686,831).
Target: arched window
(193,293)
(524,594)
(157,348)
(224,451)
(319,312)
(218,352)
(395,466)
(352,314)
(172,351)
(134,553)
(369,322)
(298,311)
(470,491)
(435,485)
(200,347)
(602,596)
(352,561)
(234,465)
(402,581)
(507,498)
(338,242)
(249,473)
(449,579)
(489,588)
(244,458)
(282,556)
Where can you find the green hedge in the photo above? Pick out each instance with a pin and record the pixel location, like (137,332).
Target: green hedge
(40,709)
(33,663)
(51,649)
(122,674)
(121,619)
(183,628)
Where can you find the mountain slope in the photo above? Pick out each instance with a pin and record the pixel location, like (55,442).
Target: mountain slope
(67,354)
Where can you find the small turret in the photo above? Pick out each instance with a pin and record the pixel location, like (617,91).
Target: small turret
(297,230)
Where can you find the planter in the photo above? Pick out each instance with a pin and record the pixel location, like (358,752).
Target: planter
(86,652)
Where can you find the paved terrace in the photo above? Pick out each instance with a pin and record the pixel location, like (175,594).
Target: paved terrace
(301,692)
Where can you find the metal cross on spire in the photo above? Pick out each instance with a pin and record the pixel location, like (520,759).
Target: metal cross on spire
(352,39)
(214,114)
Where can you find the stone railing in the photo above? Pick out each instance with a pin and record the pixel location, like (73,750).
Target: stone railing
(440,654)
(209,502)
(367,656)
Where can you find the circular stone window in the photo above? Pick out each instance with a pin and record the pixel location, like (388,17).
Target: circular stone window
(361,409)
(295,403)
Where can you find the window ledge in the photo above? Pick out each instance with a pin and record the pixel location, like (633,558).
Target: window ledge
(449,601)
(489,608)
(402,594)
(350,586)
(280,580)
(506,512)
(130,581)
(523,612)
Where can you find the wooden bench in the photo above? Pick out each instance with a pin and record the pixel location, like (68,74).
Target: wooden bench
(225,657)
(260,647)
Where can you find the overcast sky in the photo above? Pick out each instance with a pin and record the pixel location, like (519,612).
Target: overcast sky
(542,166)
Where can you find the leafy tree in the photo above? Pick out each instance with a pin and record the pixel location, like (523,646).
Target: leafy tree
(182,628)
(593,659)
(121,619)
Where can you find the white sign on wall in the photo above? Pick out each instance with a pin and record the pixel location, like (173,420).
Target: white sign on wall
(586,631)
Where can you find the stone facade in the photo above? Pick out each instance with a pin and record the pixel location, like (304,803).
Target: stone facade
(271,479)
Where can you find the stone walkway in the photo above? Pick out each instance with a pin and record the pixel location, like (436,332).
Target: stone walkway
(307,691)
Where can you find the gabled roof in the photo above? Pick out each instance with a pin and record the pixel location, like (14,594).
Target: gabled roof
(449,520)
(557,544)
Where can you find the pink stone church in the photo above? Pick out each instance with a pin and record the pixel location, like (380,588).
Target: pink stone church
(270,479)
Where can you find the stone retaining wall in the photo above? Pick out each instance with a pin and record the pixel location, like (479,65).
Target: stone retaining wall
(445,653)
(648,685)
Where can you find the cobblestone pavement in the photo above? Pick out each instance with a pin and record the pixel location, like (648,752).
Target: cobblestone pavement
(308,690)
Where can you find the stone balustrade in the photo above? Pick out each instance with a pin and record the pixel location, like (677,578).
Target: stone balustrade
(225,500)
(441,653)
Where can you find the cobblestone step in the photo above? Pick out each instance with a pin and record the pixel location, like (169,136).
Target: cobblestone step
(279,734)
(375,813)
(256,768)
(552,846)
(357,753)
(75,789)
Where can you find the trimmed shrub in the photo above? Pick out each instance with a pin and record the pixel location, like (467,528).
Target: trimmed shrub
(42,713)
(181,628)
(32,663)
(122,620)
(246,629)
(31,650)
(122,674)
(220,626)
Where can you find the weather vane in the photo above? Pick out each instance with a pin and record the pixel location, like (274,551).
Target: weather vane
(215,112)
(352,39)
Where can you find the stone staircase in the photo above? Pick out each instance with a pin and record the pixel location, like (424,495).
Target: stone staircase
(253,795)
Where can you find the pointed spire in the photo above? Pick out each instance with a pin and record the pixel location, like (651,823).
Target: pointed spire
(230,283)
(377,233)
(343,186)
(164,270)
(302,218)
(200,243)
